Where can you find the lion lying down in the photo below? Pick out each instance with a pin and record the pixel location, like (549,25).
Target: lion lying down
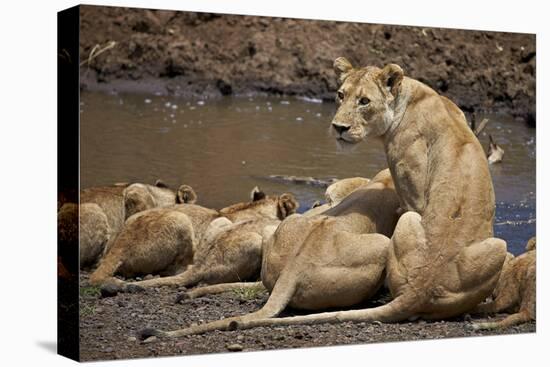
(515,291)
(103,210)
(168,240)
(334,194)
(336,259)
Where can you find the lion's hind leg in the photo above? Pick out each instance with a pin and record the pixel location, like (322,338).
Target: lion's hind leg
(472,277)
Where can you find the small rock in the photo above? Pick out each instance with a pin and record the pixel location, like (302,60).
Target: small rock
(240,337)
(99,310)
(132,339)
(148,276)
(109,350)
(109,290)
(234,347)
(150,339)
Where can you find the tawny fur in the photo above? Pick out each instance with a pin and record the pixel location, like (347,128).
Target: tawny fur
(515,292)
(443,259)
(336,259)
(336,192)
(103,210)
(159,241)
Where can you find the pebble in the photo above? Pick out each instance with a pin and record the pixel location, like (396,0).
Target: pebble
(108,291)
(234,347)
(132,339)
(150,340)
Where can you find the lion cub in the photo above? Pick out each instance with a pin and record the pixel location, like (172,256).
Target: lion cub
(515,291)
(103,210)
(167,240)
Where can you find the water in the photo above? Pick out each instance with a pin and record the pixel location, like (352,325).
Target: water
(225,147)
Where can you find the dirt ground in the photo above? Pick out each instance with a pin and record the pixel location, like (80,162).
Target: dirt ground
(108,326)
(200,54)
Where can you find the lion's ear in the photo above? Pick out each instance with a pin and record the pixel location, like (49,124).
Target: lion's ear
(186,195)
(137,199)
(160,183)
(256,194)
(391,78)
(342,66)
(287,205)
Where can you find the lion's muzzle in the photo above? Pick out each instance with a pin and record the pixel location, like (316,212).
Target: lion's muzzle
(339,128)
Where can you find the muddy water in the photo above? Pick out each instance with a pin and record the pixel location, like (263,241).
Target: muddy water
(225,147)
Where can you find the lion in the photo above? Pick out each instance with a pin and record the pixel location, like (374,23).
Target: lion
(139,197)
(442,259)
(336,192)
(335,259)
(168,240)
(103,210)
(515,291)
(94,230)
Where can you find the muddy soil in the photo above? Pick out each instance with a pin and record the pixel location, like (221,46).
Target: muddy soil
(108,326)
(202,54)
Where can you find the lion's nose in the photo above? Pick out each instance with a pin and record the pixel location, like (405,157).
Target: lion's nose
(340,129)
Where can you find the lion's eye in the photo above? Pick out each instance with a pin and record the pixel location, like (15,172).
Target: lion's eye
(340,95)
(363,101)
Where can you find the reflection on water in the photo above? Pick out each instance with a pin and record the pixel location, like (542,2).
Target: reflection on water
(225,147)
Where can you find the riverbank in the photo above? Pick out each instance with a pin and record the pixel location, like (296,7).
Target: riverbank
(209,55)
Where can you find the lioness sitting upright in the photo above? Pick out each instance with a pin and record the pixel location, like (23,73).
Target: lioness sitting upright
(443,259)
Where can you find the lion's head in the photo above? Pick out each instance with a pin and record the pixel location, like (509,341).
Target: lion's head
(365,100)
